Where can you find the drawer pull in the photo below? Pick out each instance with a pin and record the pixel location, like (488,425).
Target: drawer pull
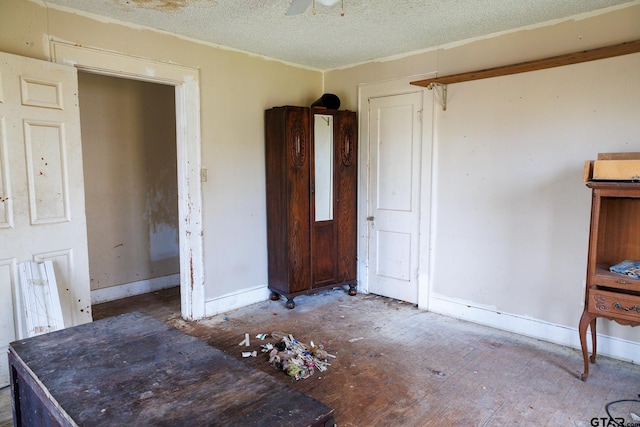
(623,282)
(620,306)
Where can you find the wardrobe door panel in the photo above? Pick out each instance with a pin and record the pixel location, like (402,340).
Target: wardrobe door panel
(346,190)
(299,208)
(324,256)
(288,211)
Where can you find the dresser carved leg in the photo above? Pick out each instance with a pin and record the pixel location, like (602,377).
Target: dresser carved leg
(587,319)
(592,327)
(274,296)
(290,304)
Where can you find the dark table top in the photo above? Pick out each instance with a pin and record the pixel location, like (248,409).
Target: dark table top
(135,370)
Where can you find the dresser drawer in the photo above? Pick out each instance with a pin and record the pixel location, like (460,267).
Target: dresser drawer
(616,281)
(613,304)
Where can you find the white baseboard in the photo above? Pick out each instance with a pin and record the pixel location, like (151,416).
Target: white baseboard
(617,348)
(236,300)
(113,293)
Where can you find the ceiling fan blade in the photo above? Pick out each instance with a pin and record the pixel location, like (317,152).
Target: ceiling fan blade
(297,7)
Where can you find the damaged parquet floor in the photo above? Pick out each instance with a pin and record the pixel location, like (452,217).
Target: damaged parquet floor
(397,365)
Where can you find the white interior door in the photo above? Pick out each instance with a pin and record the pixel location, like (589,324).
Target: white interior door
(395,129)
(41,188)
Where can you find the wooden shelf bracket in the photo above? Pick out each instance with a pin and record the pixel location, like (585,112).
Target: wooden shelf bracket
(441,90)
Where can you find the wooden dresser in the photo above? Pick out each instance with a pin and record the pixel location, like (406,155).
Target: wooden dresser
(614,237)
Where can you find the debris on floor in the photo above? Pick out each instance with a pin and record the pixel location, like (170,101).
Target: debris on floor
(295,358)
(439,374)
(245,342)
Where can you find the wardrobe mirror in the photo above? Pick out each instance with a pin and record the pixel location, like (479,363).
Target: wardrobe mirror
(323,170)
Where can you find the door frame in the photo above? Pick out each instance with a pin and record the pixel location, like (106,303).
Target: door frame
(188,143)
(393,87)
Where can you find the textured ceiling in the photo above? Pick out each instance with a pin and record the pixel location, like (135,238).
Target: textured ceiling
(369,29)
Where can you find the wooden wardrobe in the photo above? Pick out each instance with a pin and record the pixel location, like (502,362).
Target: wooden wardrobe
(311,168)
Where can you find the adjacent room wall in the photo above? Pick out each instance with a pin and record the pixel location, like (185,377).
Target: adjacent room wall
(130,170)
(510,213)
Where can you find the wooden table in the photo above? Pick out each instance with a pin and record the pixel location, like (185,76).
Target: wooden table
(133,370)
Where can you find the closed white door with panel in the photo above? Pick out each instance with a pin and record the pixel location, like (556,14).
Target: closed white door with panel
(42,213)
(395,129)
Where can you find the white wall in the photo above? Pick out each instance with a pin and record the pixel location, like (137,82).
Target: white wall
(510,213)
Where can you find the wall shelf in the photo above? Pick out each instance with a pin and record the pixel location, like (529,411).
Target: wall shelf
(534,65)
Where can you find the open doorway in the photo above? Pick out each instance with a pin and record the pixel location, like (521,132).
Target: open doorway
(186,82)
(131,189)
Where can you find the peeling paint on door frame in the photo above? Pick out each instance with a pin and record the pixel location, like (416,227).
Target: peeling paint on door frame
(188,141)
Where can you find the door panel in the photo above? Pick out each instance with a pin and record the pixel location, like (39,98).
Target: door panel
(394,150)
(394,255)
(41,186)
(46,171)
